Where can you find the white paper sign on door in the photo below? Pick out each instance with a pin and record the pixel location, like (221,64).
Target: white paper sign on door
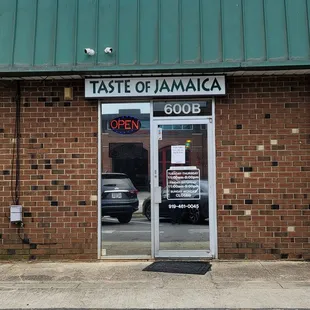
(178,154)
(160,133)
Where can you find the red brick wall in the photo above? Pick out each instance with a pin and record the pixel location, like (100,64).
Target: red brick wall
(58,172)
(262,215)
(265,215)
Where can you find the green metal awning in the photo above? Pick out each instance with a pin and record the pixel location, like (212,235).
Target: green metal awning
(49,36)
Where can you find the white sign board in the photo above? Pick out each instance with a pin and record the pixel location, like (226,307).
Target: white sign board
(155,86)
(183,184)
(178,154)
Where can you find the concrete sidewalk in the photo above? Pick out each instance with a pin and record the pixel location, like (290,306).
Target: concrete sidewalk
(123,285)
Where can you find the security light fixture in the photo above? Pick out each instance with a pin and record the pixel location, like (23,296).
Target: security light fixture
(108,50)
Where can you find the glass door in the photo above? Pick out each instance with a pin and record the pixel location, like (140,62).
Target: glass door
(183,184)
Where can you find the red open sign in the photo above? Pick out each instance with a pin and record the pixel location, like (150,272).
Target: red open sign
(125,125)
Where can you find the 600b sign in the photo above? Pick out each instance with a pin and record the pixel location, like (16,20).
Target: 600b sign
(184,108)
(163,86)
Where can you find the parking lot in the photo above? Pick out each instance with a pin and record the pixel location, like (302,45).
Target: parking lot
(134,238)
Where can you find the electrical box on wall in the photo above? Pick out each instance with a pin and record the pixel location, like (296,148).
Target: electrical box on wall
(16,213)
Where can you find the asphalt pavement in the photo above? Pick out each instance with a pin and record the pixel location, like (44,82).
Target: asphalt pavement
(139,229)
(124,285)
(134,238)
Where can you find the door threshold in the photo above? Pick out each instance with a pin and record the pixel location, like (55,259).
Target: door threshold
(185,254)
(127,258)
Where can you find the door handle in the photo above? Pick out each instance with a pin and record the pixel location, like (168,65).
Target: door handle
(157,194)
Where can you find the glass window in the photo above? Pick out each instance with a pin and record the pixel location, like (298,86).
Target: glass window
(177,127)
(125,161)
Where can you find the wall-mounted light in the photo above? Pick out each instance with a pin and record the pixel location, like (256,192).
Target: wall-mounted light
(68,93)
(89,51)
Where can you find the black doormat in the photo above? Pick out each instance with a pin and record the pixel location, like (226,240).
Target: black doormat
(179,267)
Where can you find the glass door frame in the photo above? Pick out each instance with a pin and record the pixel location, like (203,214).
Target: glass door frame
(198,120)
(100,251)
